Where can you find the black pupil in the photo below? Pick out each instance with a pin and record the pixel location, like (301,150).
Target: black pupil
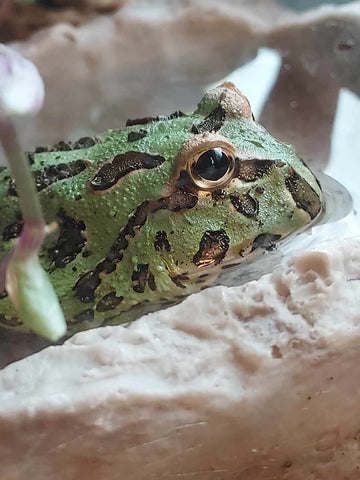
(212,165)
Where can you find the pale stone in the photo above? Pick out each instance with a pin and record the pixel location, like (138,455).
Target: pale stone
(255,382)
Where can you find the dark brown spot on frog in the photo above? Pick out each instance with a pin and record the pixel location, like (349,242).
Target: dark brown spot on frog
(151,282)
(251,170)
(112,171)
(70,242)
(135,136)
(12,231)
(61,147)
(52,174)
(87,284)
(142,277)
(31,157)
(219,194)
(42,149)
(3,294)
(86,253)
(230,265)
(177,201)
(178,279)
(83,142)
(212,123)
(145,120)
(109,302)
(303,194)
(139,277)
(186,184)
(259,190)
(267,241)
(161,241)
(199,281)
(10,322)
(245,204)
(87,315)
(212,249)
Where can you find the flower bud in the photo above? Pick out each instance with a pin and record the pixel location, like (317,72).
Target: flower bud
(33,295)
(21,86)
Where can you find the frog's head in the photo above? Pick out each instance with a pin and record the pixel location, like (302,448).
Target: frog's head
(155,211)
(241,189)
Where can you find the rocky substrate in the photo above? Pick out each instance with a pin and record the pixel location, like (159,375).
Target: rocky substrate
(251,382)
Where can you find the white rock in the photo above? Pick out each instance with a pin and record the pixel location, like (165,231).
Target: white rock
(258,381)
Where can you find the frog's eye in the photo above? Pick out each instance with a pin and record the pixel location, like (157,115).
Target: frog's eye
(212,168)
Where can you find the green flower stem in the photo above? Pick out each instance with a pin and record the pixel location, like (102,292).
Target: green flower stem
(20,168)
(21,274)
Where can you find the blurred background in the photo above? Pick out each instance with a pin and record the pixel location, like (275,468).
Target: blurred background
(104,61)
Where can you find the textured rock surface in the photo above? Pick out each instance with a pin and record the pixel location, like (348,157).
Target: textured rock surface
(255,382)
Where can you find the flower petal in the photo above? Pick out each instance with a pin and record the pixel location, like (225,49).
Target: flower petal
(21,86)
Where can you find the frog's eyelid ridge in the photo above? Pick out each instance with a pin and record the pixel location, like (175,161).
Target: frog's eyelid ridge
(195,146)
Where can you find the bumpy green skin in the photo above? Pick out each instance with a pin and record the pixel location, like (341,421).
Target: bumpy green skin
(104,216)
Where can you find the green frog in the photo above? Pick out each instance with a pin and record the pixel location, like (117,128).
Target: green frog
(154,212)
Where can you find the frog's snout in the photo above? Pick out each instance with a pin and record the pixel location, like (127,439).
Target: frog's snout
(232,100)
